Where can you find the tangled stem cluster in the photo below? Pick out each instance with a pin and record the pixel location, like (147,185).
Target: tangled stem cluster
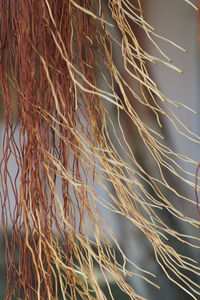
(59,72)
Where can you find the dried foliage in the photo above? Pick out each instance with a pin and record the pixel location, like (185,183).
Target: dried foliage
(56,59)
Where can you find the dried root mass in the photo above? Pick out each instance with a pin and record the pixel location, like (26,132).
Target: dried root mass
(61,81)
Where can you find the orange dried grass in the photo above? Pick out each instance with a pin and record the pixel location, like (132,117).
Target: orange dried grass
(52,54)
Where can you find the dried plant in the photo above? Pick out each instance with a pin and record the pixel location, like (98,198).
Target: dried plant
(58,76)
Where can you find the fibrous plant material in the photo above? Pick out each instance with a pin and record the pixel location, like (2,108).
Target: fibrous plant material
(59,73)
